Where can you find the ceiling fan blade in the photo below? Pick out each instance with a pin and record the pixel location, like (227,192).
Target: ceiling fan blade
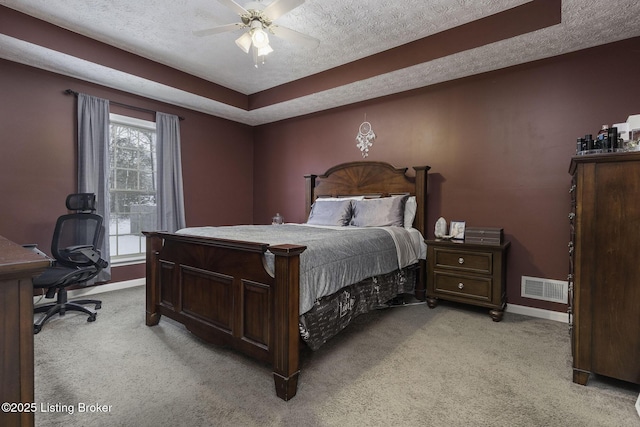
(217,30)
(280,7)
(294,36)
(234,6)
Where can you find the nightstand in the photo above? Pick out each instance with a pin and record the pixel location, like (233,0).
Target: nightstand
(470,273)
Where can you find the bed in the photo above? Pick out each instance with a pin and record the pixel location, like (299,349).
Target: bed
(245,294)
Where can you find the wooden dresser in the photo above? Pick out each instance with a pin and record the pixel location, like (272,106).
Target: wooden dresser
(471,273)
(17,266)
(604,277)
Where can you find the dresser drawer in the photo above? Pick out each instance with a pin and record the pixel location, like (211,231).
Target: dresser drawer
(463,286)
(472,261)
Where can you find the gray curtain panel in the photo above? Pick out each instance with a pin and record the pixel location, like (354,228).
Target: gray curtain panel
(93,162)
(170,197)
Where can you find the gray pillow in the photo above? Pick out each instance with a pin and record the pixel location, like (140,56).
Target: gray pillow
(383,212)
(330,212)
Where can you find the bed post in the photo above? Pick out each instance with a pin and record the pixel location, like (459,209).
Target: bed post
(154,244)
(421,198)
(310,185)
(286,335)
(421,224)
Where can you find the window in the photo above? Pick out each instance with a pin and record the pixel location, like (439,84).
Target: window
(132,185)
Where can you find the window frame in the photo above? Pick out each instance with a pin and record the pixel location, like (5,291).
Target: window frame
(140,257)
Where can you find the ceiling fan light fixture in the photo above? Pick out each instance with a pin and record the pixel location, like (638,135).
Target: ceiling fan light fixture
(244,42)
(264,51)
(259,38)
(257,20)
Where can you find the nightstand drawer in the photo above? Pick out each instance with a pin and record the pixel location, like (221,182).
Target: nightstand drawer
(477,262)
(467,286)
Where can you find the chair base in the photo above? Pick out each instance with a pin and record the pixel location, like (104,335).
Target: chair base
(61,306)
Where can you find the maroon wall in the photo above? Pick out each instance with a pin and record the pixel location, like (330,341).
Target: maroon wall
(38,157)
(499,146)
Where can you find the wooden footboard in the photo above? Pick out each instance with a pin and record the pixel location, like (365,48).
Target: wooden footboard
(221,291)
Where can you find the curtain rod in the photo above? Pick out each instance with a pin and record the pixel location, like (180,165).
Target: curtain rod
(131,107)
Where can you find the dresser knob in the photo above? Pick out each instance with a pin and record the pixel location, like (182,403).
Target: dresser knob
(460,260)
(461,285)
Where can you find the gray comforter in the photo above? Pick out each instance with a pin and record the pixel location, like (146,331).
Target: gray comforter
(333,259)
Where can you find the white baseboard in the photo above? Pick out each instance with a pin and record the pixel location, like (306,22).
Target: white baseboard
(538,312)
(93,290)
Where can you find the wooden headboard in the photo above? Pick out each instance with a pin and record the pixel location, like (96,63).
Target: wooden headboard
(370,178)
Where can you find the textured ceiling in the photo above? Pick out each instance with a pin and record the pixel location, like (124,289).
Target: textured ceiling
(347,31)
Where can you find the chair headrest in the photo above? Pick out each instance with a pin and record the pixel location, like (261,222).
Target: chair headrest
(82,202)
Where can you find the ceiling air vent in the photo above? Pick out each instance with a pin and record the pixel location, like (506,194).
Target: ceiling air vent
(544,289)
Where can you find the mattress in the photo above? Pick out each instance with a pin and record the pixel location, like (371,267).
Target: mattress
(335,256)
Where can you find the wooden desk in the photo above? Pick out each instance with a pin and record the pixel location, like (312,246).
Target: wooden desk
(17,266)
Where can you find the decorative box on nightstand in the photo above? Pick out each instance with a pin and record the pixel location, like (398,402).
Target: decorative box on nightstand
(471,273)
(486,235)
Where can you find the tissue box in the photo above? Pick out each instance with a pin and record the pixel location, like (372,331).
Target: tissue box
(484,235)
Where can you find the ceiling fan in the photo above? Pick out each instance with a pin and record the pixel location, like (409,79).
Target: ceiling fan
(258,20)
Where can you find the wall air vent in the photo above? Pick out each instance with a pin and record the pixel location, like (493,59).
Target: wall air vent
(545,289)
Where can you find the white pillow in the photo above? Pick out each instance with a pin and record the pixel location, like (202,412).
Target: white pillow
(330,212)
(410,211)
(383,212)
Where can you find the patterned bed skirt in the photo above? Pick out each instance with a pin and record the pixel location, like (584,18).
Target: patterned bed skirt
(333,313)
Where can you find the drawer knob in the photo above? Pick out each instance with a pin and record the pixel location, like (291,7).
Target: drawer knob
(460,285)
(460,260)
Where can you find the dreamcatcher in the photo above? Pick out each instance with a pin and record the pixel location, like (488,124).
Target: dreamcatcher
(365,137)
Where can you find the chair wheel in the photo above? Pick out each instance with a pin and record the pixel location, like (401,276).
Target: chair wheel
(91,318)
(36,328)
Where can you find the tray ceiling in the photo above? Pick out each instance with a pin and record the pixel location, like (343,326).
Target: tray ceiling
(294,81)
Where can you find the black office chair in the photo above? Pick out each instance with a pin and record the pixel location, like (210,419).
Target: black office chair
(76,249)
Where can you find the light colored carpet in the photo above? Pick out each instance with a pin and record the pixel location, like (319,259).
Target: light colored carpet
(408,366)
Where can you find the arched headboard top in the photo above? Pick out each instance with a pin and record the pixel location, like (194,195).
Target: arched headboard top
(369,178)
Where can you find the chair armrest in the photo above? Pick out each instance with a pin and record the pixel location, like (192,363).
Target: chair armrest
(78,248)
(87,251)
